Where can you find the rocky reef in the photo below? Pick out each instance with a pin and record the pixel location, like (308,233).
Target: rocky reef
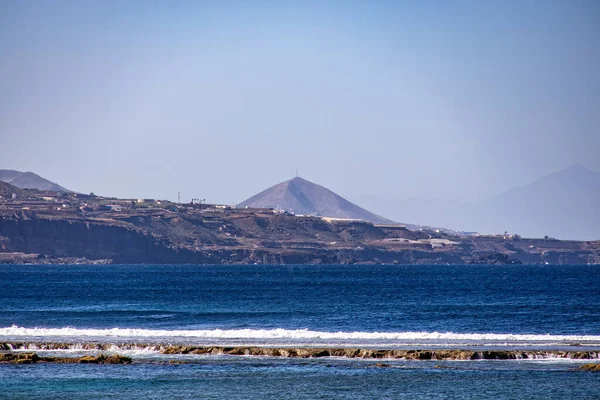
(590,367)
(32,358)
(12,351)
(451,354)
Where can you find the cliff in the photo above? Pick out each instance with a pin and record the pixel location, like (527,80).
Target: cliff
(211,236)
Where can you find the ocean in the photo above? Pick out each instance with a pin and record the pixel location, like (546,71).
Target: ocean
(544,314)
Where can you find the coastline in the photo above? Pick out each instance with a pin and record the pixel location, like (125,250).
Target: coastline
(39,236)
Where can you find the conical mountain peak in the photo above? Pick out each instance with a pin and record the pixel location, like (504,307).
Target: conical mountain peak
(301,196)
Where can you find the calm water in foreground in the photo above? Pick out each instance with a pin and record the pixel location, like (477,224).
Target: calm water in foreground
(473,307)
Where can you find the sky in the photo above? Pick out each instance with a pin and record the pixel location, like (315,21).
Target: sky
(220,99)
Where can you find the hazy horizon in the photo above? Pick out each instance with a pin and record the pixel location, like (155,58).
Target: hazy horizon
(219,100)
(357,199)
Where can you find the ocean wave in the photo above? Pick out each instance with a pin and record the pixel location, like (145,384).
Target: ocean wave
(291,334)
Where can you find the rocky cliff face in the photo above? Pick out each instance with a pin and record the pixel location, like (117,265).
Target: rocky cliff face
(92,240)
(122,244)
(228,238)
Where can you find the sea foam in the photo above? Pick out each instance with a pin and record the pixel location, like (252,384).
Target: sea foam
(293,334)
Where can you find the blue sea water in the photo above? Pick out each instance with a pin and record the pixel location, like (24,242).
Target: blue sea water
(524,307)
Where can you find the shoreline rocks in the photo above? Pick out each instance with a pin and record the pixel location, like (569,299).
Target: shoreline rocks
(24,352)
(590,367)
(455,354)
(32,358)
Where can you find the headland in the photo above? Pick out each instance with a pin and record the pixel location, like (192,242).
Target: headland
(46,227)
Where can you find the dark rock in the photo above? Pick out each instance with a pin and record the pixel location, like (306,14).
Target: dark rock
(19,358)
(490,258)
(31,358)
(99,359)
(590,367)
(117,359)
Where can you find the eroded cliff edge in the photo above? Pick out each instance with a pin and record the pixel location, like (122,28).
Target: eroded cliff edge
(244,237)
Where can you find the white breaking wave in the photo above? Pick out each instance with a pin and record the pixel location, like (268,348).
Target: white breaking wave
(287,334)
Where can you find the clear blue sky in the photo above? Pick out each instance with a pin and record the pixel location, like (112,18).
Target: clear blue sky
(441,99)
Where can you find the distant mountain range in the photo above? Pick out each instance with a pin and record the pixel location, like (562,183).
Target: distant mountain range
(29,180)
(564,205)
(304,197)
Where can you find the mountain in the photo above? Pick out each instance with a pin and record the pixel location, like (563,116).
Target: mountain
(29,180)
(304,197)
(565,204)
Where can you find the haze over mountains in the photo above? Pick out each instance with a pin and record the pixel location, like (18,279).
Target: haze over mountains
(304,197)
(29,180)
(564,205)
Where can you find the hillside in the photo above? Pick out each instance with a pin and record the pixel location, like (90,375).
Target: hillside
(7,190)
(300,196)
(29,180)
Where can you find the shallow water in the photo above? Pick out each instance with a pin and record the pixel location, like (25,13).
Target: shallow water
(241,378)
